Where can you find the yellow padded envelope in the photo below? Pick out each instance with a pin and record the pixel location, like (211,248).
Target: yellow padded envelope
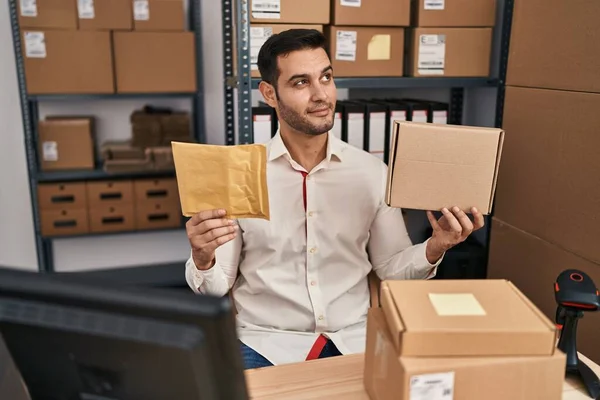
(233,178)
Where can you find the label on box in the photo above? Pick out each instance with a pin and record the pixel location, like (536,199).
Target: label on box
(432,54)
(434,4)
(266,9)
(85,8)
(432,386)
(440,117)
(29,8)
(141,10)
(345,47)
(50,151)
(350,3)
(258,37)
(35,45)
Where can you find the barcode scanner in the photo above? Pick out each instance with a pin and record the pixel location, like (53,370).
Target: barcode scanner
(575,293)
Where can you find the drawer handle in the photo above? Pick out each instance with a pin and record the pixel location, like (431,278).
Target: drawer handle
(112,220)
(158,217)
(66,223)
(156,193)
(111,196)
(67,198)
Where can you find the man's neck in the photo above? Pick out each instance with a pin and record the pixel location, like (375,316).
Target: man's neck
(306,150)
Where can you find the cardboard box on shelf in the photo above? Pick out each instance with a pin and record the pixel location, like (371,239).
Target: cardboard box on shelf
(68,221)
(67,62)
(158,15)
(450,52)
(371,12)
(158,214)
(366,51)
(53,14)
(550,167)
(439,318)
(389,377)
(59,196)
(113,218)
(259,33)
(574,29)
(66,143)
(121,150)
(105,15)
(155,62)
(433,166)
(105,193)
(290,11)
(455,13)
(518,255)
(161,158)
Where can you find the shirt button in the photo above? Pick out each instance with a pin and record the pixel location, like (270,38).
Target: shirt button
(313,283)
(321,318)
(313,250)
(310,213)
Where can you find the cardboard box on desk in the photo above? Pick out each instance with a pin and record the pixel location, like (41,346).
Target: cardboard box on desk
(433,166)
(448,318)
(390,377)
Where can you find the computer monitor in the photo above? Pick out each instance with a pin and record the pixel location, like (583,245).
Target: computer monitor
(73,339)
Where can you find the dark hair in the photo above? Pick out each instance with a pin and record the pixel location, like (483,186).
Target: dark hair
(282,44)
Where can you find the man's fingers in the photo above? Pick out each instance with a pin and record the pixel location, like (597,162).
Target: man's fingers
(452,221)
(479,221)
(213,234)
(220,241)
(433,221)
(463,219)
(198,218)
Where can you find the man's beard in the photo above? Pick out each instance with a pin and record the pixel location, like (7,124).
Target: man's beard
(301,123)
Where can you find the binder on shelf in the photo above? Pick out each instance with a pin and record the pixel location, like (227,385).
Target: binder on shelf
(353,123)
(376,134)
(416,111)
(394,112)
(437,111)
(262,124)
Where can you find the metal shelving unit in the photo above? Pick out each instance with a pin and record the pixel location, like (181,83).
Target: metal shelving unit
(30,117)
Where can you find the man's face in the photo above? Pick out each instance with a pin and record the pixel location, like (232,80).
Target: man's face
(306,91)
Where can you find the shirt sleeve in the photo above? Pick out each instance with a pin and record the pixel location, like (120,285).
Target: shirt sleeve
(390,248)
(220,278)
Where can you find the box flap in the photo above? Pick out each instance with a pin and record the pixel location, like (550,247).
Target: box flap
(498,157)
(392,315)
(392,158)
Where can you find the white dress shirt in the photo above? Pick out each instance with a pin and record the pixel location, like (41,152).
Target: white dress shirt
(304,272)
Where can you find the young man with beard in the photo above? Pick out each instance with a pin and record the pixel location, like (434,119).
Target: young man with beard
(300,280)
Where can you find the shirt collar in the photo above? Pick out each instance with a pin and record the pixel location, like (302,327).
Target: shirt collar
(335,148)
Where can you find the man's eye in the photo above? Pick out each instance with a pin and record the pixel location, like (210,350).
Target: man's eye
(327,77)
(301,82)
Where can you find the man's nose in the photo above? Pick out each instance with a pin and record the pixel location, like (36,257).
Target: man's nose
(319,93)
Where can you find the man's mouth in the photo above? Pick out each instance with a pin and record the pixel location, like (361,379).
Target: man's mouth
(320,112)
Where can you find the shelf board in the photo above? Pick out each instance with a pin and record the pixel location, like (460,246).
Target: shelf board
(96,234)
(97,174)
(106,96)
(406,82)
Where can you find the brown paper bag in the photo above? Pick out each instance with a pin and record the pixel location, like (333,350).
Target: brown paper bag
(230,177)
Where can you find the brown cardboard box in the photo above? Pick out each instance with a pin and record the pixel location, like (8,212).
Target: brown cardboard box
(54,14)
(455,13)
(68,221)
(158,214)
(155,62)
(371,12)
(543,29)
(105,15)
(548,181)
(439,318)
(437,165)
(59,196)
(289,11)
(12,386)
(121,150)
(388,377)
(534,264)
(450,52)
(366,51)
(109,193)
(68,62)
(259,33)
(156,190)
(158,15)
(66,144)
(112,218)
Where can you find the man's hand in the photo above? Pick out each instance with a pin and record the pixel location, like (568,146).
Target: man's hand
(451,229)
(206,231)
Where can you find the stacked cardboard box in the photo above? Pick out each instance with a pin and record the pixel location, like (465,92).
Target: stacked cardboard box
(547,195)
(106,46)
(476,339)
(66,143)
(366,37)
(451,38)
(108,206)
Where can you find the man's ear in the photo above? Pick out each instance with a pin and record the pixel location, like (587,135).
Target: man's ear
(268,92)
